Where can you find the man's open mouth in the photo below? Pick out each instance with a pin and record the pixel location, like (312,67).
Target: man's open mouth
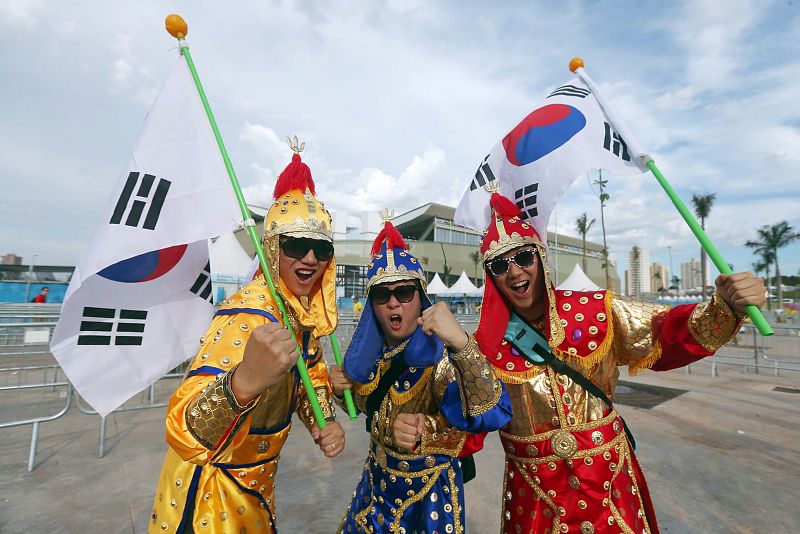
(304,275)
(395,321)
(520,288)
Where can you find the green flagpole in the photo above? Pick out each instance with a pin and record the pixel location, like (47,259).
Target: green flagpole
(576,65)
(753,312)
(348,395)
(178,28)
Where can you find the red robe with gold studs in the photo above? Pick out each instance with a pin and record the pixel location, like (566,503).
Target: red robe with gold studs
(569,464)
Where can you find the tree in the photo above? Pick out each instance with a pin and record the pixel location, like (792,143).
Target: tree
(702,207)
(583,228)
(603,196)
(675,283)
(763,265)
(770,239)
(476,258)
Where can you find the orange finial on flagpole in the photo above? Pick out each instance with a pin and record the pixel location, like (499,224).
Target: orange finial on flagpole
(176,26)
(575,64)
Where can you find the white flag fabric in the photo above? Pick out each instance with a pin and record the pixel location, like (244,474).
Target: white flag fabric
(537,161)
(140,297)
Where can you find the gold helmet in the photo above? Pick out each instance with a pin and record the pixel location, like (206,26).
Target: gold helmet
(296,212)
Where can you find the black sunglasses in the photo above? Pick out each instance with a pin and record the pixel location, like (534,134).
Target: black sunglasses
(522,259)
(382,294)
(298,247)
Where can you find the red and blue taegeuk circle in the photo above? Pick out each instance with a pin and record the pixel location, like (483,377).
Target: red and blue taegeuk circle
(145,267)
(541,132)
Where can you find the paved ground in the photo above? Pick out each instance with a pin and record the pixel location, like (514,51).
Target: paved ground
(722,457)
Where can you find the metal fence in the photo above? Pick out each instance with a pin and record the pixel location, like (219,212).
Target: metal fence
(34,389)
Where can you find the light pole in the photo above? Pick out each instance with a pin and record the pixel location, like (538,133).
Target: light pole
(30,277)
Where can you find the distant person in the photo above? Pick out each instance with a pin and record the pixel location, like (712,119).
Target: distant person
(357,306)
(41,298)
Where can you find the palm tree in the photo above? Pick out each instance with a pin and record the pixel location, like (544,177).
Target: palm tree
(476,257)
(702,207)
(770,239)
(603,196)
(763,265)
(583,228)
(675,283)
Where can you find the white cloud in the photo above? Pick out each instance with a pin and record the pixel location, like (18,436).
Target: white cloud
(267,143)
(399,101)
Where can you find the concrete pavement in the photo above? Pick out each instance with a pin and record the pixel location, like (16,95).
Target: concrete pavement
(722,457)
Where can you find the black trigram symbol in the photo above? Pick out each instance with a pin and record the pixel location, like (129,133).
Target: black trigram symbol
(614,143)
(100,325)
(570,90)
(143,197)
(525,199)
(483,175)
(202,286)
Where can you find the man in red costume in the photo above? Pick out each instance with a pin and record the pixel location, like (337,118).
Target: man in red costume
(570,465)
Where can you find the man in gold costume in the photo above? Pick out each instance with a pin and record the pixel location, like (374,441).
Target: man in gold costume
(570,465)
(229,419)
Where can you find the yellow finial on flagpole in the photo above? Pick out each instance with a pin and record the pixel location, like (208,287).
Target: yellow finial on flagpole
(176,26)
(575,64)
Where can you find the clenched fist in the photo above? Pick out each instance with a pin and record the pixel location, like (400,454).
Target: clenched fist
(740,289)
(408,428)
(269,354)
(339,380)
(330,439)
(438,320)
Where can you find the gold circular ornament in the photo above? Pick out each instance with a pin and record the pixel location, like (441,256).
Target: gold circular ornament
(564,444)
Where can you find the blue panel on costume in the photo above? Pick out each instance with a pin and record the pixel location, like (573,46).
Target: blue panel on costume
(429,514)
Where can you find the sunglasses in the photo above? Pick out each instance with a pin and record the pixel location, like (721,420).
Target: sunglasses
(381,294)
(522,259)
(298,247)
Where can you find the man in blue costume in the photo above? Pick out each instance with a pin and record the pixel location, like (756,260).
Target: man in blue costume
(424,387)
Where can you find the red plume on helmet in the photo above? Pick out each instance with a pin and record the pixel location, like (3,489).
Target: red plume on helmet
(503,206)
(392,237)
(296,175)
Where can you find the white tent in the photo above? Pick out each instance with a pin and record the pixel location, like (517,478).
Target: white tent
(437,287)
(464,287)
(228,258)
(229,266)
(578,281)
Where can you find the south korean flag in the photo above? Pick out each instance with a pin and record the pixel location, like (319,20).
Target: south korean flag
(141,296)
(537,161)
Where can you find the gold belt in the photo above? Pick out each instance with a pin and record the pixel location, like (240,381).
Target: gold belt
(580,440)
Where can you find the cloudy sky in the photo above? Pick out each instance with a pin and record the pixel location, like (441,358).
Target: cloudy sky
(398,101)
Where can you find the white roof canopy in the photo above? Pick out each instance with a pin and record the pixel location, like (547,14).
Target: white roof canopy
(578,281)
(436,287)
(463,287)
(228,257)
